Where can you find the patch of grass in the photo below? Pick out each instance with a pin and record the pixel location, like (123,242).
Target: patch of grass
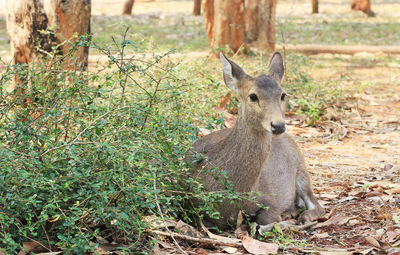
(337,31)
(286,238)
(4,44)
(154,32)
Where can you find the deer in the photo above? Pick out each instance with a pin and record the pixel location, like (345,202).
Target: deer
(256,155)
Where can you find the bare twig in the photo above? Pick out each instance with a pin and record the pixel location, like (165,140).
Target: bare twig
(95,120)
(39,243)
(162,215)
(63,145)
(206,241)
(17,152)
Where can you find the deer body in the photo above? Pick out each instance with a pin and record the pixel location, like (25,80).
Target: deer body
(256,154)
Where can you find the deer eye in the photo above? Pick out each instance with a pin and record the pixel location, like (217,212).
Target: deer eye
(253,97)
(283,96)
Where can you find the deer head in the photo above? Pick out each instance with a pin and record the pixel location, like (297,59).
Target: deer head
(262,98)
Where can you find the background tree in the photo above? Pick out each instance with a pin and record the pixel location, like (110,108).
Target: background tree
(260,23)
(71,19)
(128,5)
(24,29)
(235,23)
(364,6)
(27,19)
(224,23)
(196,7)
(314,4)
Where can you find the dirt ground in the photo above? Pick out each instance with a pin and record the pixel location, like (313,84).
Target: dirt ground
(356,174)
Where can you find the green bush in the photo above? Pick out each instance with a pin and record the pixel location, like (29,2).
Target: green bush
(84,154)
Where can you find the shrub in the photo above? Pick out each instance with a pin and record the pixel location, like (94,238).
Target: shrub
(83,154)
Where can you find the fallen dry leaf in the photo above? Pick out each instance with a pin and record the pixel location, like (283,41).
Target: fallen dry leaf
(391,236)
(379,233)
(32,247)
(335,220)
(224,100)
(204,131)
(372,241)
(239,220)
(394,191)
(101,251)
(387,167)
(229,250)
(373,194)
(217,237)
(229,120)
(353,222)
(257,247)
(384,216)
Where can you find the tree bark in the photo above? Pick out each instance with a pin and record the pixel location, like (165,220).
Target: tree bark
(252,26)
(364,6)
(71,19)
(25,20)
(260,23)
(197,7)
(128,5)
(224,23)
(314,6)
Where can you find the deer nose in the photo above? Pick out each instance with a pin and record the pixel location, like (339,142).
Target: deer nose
(278,127)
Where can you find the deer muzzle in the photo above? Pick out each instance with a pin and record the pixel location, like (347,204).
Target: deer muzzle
(278,127)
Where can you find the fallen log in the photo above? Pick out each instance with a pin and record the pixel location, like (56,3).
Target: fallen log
(339,49)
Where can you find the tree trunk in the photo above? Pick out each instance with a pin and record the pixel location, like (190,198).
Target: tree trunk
(364,6)
(252,25)
(128,7)
(25,20)
(314,6)
(224,23)
(260,23)
(197,7)
(71,19)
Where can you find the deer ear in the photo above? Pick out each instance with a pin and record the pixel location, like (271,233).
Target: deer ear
(232,73)
(276,67)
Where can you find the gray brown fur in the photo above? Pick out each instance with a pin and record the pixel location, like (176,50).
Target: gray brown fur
(256,155)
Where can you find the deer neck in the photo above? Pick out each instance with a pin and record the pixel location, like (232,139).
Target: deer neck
(243,152)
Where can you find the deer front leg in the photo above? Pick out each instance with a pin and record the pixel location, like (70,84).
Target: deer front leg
(270,215)
(305,192)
